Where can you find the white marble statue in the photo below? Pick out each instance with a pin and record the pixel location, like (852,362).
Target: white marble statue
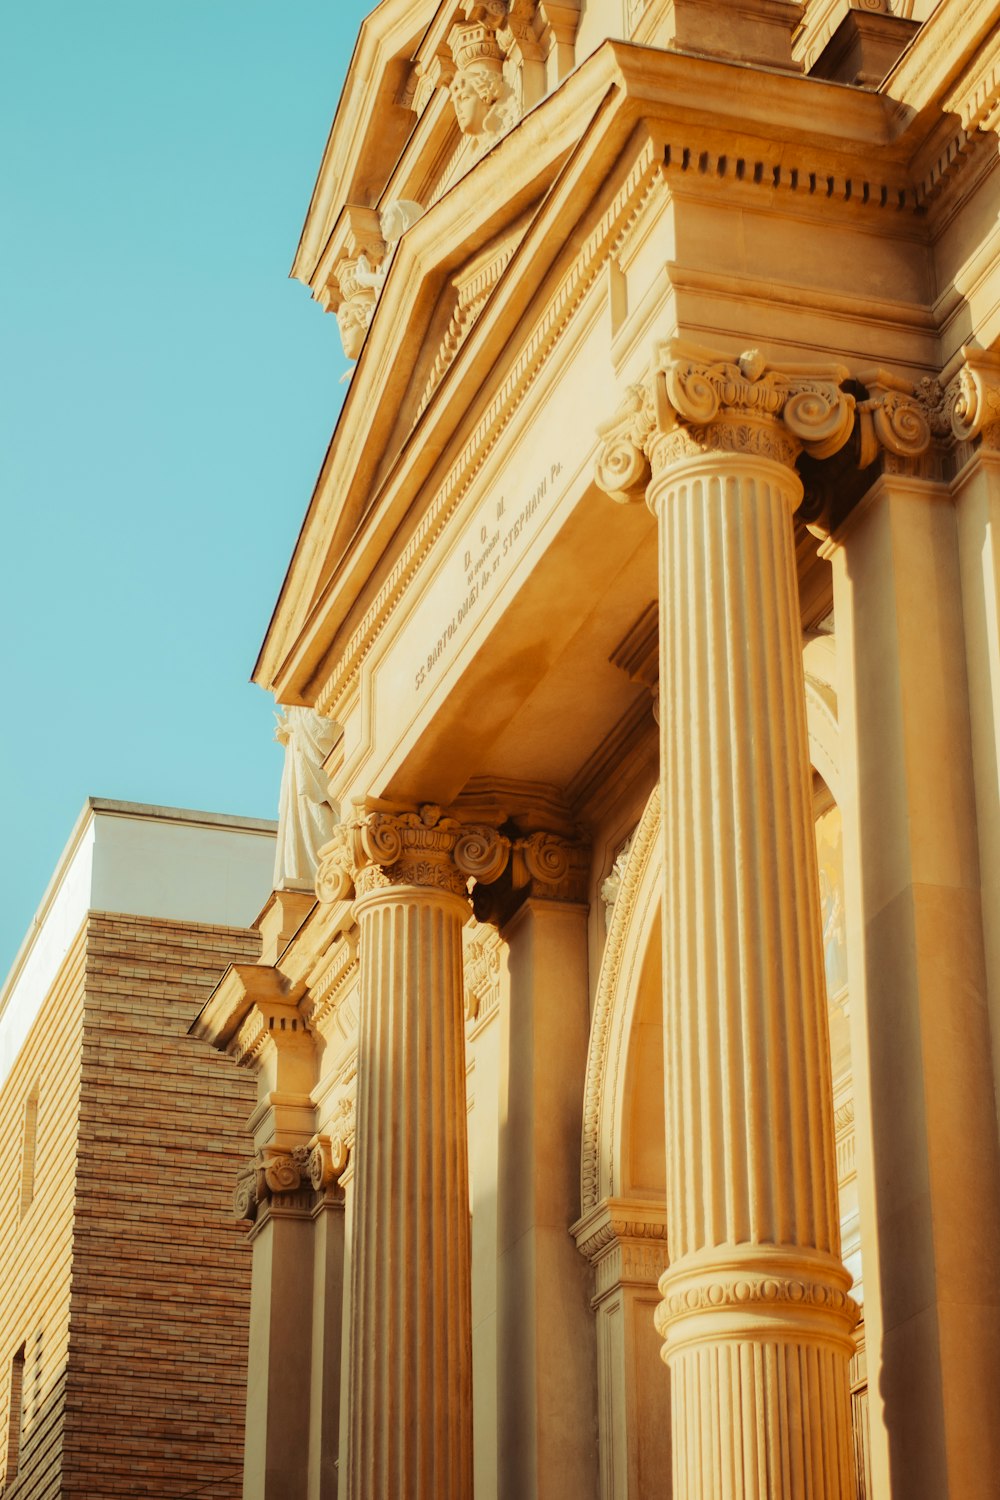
(306,815)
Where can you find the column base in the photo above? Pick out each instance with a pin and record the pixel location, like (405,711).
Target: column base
(758,1341)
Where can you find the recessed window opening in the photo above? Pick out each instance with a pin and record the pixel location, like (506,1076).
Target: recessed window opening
(28,1150)
(15,1417)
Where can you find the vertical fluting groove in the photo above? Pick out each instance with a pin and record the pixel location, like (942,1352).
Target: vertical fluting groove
(737,1140)
(759,1392)
(410,1367)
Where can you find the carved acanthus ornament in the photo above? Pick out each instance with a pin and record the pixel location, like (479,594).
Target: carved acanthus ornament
(408,848)
(895,418)
(330,1153)
(612,884)
(829,424)
(698,401)
(555,868)
(483,957)
(427,848)
(276,1175)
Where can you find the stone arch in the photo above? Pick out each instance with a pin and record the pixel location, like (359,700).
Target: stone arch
(634,917)
(819,658)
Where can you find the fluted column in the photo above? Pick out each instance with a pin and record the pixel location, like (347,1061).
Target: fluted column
(755,1311)
(410,1373)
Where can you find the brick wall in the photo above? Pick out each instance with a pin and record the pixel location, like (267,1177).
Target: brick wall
(126,1280)
(36,1238)
(161,1279)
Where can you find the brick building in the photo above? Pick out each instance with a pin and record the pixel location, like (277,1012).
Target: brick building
(124,1284)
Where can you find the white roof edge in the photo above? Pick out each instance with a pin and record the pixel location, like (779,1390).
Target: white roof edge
(73,843)
(108,807)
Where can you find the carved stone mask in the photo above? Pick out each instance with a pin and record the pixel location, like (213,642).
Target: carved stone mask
(471,105)
(353,325)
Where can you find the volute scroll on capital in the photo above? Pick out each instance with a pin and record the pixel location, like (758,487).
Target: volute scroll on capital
(427,848)
(276,1174)
(422,848)
(272,1173)
(972,399)
(818,418)
(699,400)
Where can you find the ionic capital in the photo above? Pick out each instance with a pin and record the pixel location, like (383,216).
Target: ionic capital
(421,848)
(972,399)
(553,868)
(274,1173)
(380,850)
(699,401)
(897,418)
(279,1176)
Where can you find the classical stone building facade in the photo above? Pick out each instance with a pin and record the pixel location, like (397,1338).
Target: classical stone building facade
(649,603)
(124,1289)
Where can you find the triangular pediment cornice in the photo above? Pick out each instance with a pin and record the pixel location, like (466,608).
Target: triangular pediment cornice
(373,123)
(397,137)
(809,139)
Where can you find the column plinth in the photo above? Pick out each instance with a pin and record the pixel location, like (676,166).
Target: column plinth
(755,1312)
(410,1360)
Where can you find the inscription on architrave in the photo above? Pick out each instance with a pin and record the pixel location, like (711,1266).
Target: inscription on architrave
(498,533)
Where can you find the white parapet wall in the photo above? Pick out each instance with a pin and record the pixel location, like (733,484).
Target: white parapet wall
(124,857)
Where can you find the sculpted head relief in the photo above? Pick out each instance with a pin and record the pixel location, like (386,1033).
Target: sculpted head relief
(485,103)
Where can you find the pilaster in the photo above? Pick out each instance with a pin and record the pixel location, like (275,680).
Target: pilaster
(975,419)
(905,600)
(626,1243)
(545,1328)
(254,1018)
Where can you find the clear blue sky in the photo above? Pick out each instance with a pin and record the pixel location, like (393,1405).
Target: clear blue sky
(166,396)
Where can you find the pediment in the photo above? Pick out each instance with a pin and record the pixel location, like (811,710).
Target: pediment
(400,136)
(478,286)
(440,276)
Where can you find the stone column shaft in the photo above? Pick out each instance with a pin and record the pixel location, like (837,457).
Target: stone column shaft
(411,1347)
(750,1107)
(974,410)
(755,1311)
(410,1372)
(759,1369)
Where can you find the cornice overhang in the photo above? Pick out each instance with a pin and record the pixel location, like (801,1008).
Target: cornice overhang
(351,522)
(944,93)
(947,45)
(241,988)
